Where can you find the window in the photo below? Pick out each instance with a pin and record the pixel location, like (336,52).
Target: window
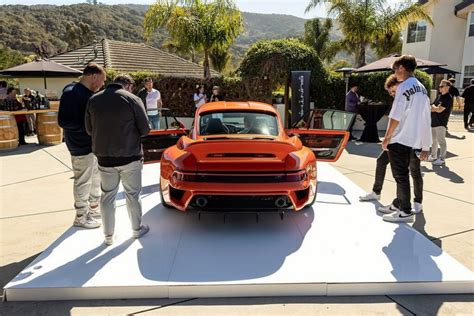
(468,75)
(240,123)
(416,32)
(471,25)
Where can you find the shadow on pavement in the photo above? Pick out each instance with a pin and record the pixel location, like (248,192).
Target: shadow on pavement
(430,303)
(9,271)
(22,150)
(444,172)
(419,225)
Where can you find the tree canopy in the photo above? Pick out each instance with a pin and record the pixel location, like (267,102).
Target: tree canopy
(201,24)
(364,22)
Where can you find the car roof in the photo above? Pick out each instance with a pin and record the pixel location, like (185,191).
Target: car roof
(236,106)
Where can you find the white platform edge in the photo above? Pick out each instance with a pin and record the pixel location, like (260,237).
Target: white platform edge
(245,290)
(171,290)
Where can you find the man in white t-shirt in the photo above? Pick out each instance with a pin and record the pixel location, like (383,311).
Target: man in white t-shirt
(152,100)
(408,133)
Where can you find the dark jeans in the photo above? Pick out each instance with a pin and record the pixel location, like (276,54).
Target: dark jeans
(468,108)
(351,126)
(415,171)
(21,132)
(399,157)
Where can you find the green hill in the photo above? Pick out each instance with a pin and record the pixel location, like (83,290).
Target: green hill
(24,27)
(54,29)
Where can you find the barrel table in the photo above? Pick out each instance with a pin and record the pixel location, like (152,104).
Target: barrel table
(8,132)
(47,128)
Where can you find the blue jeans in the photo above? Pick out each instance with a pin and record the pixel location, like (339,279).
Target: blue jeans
(154,121)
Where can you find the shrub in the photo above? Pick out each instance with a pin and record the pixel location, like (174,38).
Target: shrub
(371,86)
(177,92)
(275,59)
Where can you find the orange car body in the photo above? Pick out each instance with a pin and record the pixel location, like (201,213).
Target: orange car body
(230,171)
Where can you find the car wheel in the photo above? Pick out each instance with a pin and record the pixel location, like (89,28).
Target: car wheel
(163,200)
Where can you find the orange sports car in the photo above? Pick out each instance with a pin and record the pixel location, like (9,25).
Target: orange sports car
(238,157)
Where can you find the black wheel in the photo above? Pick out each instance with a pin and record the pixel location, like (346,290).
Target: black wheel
(163,200)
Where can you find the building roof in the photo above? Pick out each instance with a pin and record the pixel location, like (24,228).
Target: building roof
(130,57)
(462,5)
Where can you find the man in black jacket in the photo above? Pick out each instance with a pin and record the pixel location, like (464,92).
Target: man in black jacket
(116,120)
(468,95)
(72,108)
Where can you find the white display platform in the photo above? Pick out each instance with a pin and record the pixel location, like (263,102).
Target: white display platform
(339,247)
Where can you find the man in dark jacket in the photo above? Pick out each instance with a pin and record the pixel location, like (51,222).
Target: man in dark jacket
(468,95)
(72,108)
(116,120)
(352,101)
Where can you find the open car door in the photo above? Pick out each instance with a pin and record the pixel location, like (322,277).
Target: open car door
(324,131)
(155,143)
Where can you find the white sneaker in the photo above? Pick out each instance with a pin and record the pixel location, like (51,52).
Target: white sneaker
(399,217)
(432,158)
(86,221)
(438,162)
(94,212)
(416,208)
(142,231)
(109,240)
(372,196)
(388,209)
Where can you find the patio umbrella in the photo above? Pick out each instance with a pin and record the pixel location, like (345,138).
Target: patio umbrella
(439,70)
(385,64)
(41,68)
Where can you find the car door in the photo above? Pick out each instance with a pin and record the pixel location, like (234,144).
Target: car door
(155,143)
(324,131)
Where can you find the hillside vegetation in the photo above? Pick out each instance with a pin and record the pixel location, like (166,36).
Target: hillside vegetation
(54,29)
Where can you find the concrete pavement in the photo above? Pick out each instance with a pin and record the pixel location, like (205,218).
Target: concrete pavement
(36,207)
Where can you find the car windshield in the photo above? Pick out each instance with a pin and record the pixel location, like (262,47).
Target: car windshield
(239,123)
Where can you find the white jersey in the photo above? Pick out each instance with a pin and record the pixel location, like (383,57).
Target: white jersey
(411,108)
(201,101)
(152,98)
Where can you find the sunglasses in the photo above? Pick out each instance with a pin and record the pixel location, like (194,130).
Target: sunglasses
(442,86)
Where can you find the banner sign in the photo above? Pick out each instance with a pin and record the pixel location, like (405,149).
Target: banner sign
(299,94)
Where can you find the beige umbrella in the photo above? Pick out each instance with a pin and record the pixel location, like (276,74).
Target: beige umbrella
(385,64)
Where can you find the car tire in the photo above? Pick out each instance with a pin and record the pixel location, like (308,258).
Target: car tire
(166,205)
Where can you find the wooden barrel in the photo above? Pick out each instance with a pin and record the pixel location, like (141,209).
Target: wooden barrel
(47,128)
(8,132)
(54,105)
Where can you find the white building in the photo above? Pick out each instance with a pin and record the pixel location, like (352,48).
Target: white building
(449,41)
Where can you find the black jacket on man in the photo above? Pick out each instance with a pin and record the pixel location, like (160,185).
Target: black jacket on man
(72,109)
(468,95)
(142,95)
(116,120)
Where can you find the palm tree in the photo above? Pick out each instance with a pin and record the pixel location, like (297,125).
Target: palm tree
(363,22)
(317,35)
(220,57)
(201,24)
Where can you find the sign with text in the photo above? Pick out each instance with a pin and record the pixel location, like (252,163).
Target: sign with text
(299,94)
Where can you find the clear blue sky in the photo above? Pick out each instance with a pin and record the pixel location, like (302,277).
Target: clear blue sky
(292,7)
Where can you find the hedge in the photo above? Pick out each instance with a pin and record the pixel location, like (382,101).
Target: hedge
(327,89)
(177,92)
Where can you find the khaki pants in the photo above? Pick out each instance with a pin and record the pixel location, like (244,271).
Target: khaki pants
(131,176)
(86,182)
(439,138)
